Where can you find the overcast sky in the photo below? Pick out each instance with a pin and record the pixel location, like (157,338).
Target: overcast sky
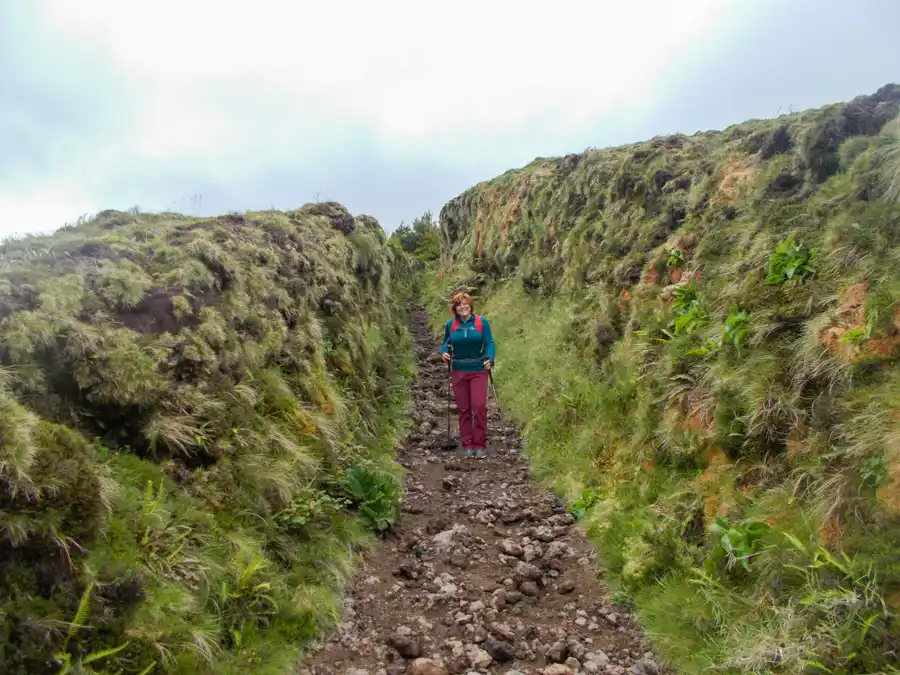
(389,107)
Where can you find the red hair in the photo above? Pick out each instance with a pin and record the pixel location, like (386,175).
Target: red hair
(457,298)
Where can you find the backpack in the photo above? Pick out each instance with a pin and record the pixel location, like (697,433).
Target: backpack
(455,324)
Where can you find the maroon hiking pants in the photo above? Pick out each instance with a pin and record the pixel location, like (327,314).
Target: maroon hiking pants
(471,400)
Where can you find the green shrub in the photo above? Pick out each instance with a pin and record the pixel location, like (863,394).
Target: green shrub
(739,542)
(580,507)
(789,261)
(305,513)
(736,328)
(376,495)
(675,257)
(690,313)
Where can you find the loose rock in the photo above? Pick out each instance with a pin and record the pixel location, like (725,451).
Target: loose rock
(502,651)
(407,647)
(502,631)
(558,669)
(510,547)
(425,667)
(558,652)
(479,658)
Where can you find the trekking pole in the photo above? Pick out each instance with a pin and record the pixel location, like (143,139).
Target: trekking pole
(449,385)
(448,442)
(496,398)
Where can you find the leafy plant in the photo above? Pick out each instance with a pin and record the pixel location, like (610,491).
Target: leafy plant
(686,295)
(856,336)
(740,541)
(707,347)
(690,312)
(874,471)
(789,261)
(376,494)
(307,511)
(878,307)
(736,327)
(675,256)
(78,665)
(588,497)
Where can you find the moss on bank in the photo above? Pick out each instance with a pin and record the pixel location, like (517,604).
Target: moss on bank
(700,337)
(180,402)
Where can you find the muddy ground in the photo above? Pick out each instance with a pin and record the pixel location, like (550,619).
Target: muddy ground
(485,572)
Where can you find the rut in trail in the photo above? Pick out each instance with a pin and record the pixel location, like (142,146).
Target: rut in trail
(485,573)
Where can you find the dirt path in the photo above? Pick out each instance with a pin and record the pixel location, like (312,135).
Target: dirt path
(486,572)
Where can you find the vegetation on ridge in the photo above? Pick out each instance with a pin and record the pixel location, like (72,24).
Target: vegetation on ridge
(191,412)
(700,336)
(421,240)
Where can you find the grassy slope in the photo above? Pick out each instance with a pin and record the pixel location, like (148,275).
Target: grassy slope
(668,390)
(179,401)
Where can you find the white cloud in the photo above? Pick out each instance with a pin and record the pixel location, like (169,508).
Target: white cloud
(178,126)
(41,210)
(228,90)
(266,102)
(411,71)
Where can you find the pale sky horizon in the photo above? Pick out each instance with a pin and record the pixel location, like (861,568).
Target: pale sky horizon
(389,108)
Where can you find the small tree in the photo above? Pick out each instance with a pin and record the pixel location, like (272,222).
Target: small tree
(421,240)
(405,237)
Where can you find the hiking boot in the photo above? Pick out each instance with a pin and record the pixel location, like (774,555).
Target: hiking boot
(480,453)
(470,452)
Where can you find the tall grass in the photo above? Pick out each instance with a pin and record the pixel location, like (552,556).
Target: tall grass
(699,337)
(596,434)
(181,402)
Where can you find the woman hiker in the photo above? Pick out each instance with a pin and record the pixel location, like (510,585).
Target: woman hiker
(469,346)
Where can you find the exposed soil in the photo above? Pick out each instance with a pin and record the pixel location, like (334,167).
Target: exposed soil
(851,314)
(733,176)
(154,314)
(485,572)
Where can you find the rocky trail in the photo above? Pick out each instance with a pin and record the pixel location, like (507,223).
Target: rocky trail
(485,571)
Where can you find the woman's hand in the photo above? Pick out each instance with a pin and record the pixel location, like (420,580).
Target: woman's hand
(446,356)
(488,364)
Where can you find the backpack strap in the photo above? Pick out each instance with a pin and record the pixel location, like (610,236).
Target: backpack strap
(454,324)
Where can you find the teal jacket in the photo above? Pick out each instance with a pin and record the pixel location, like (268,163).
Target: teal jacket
(469,348)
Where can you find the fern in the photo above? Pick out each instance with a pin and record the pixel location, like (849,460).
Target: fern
(103,653)
(82,614)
